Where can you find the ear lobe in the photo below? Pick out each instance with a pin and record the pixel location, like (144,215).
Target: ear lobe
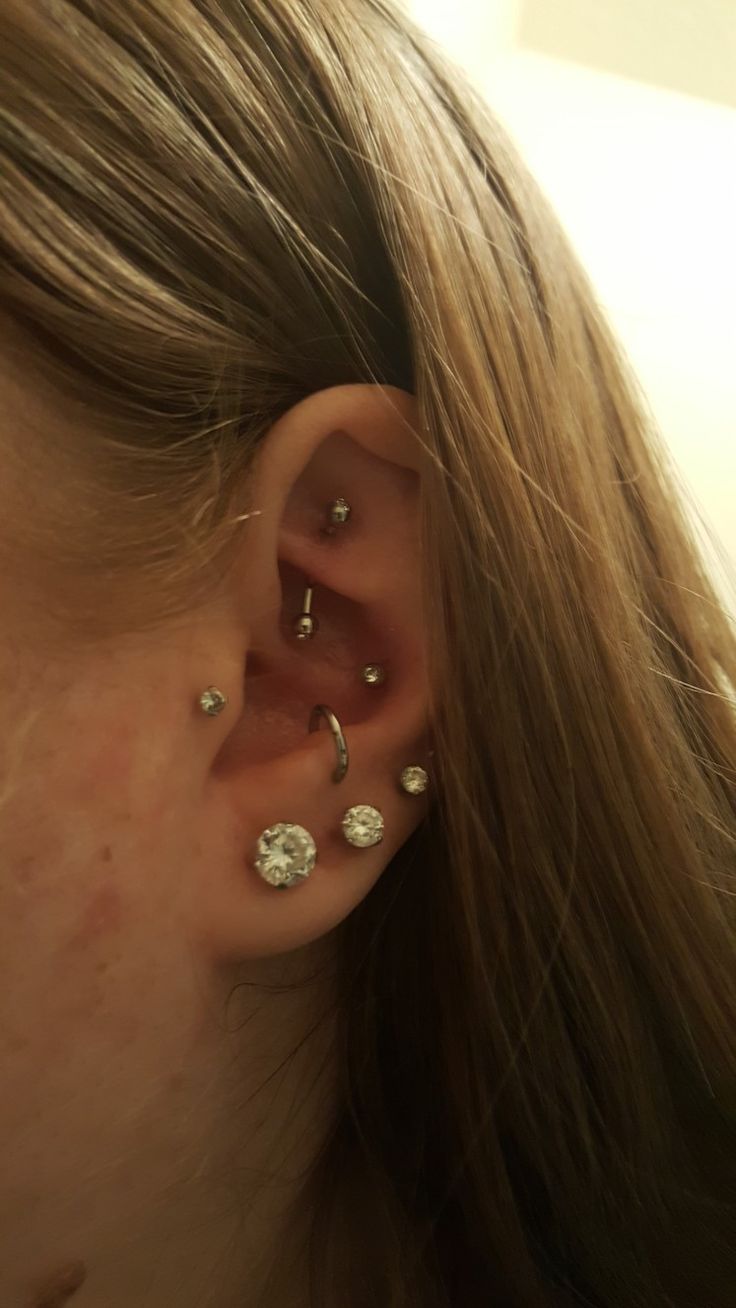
(364,575)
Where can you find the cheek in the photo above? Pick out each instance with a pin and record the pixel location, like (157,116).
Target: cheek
(102,917)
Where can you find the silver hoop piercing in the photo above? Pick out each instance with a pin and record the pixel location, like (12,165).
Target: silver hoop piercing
(306,624)
(212,701)
(286,855)
(373,674)
(362,826)
(341,745)
(414,780)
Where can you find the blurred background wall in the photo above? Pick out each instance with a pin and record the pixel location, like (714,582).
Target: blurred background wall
(625,111)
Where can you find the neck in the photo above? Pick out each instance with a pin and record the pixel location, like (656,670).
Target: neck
(204,1205)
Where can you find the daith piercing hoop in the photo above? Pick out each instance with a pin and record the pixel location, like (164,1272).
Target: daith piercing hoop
(322,711)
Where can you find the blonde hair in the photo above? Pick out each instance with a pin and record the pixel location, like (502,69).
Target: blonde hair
(209,209)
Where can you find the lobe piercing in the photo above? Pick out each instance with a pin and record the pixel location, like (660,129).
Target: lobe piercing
(362,826)
(414,780)
(286,855)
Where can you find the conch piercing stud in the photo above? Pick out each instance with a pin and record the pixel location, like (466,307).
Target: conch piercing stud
(306,624)
(341,745)
(286,854)
(212,701)
(373,674)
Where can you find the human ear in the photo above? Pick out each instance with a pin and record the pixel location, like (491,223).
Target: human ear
(358,444)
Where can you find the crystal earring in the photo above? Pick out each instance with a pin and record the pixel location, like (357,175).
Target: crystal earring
(362,826)
(338,513)
(212,701)
(373,674)
(414,780)
(286,855)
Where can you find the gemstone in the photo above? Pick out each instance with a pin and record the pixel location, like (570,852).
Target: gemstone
(363,826)
(414,780)
(286,854)
(212,701)
(374,674)
(339,512)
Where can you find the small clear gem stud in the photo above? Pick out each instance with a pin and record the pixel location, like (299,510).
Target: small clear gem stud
(212,701)
(339,512)
(374,674)
(414,780)
(363,826)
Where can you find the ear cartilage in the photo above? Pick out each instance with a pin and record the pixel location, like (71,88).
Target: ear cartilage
(306,624)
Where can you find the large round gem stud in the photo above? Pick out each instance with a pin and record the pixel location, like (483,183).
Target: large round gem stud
(363,826)
(286,855)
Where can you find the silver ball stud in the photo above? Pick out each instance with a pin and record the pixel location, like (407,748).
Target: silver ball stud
(305,626)
(373,674)
(339,512)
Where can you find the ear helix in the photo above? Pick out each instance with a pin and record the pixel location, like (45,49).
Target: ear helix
(306,625)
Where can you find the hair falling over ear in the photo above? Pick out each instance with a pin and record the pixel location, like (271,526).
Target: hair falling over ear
(209,209)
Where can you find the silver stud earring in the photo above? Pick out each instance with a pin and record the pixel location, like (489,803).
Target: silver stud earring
(362,826)
(306,624)
(339,512)
(414,780)
(373,674)
(212,701)
(286,854)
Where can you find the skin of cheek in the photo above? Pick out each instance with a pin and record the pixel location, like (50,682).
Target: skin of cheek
(94,868)
(55,1291)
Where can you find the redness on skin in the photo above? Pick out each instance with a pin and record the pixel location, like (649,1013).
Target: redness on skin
(101,916)
(58,1289)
